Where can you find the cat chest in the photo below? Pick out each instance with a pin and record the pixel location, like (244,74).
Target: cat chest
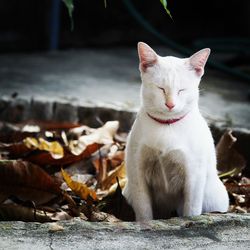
(165,174)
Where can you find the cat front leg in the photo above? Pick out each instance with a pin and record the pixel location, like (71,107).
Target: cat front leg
(138,198)
(136,194)
(215,196)
(136,190)
(193,191)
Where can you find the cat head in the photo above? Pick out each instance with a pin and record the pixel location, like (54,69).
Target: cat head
(170,84)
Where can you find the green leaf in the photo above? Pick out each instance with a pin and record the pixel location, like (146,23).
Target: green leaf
(164,3)
(70,6)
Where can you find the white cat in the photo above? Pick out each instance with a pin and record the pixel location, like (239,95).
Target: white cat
(170,155)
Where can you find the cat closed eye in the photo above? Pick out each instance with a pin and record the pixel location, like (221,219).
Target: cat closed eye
(181,90)
(162,89)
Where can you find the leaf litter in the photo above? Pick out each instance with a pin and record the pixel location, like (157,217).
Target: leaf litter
(51,172)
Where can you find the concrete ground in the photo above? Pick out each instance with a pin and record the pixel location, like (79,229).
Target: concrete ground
(203,232)
(110,78)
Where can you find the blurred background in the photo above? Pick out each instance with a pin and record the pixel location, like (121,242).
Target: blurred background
(96,62)
(33,25)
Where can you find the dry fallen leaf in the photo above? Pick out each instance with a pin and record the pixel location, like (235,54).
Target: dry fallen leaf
(237,209)
(43,158)
(14,212)
(111,178)
(54,147)
(70,145)
(238,189)
(78,188)
(103,135)
(15,150)
(227,156)
(43,152)
(10,133)
(27,182)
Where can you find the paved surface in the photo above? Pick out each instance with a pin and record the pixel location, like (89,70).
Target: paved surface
(110,78)
(203,232)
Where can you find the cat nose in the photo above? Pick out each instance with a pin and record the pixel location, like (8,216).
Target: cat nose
(170,105)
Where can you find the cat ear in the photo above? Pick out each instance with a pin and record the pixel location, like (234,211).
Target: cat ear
(198,61)
(147,56)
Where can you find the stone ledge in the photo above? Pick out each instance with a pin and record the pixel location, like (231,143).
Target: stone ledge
(174,224)
(20,110)
(209,231)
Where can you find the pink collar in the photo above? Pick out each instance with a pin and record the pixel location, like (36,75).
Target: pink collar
(168,122)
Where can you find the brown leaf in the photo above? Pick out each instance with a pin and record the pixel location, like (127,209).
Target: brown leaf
(79,131)
(237,209)
(106,164)
(51,153)
(117,159)
(13,212)
(53,147)
(27,182)
(78,188)
(45,158)
(227,156)
(12,133)
(15,150)
(245,180)
(101,167)
(103,135)
(111,178)
(238,189)
(115,156)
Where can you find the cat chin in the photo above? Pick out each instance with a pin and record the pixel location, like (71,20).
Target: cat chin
(166,115)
